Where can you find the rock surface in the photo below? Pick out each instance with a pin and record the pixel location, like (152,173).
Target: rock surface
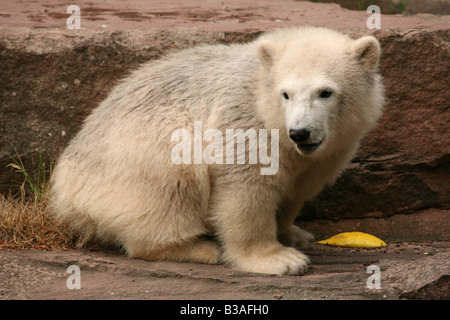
(207,15)
(396,188)
(52,77)
(407,271)
(440,7)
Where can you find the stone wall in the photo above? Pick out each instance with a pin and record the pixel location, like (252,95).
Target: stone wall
(52,77)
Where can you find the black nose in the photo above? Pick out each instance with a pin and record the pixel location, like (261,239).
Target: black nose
(300,135)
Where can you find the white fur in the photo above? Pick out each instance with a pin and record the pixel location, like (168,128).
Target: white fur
(116,181)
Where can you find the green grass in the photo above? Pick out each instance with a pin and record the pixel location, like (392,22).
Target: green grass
(36,186)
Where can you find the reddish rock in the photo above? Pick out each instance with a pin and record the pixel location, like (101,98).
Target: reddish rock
(440,7)
(414,271)
(424,225)
(52,77)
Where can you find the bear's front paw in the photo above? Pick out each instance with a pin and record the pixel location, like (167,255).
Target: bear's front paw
(296,237)
(276,259)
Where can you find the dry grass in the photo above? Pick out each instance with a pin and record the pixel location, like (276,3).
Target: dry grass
(28,224)
(25,221)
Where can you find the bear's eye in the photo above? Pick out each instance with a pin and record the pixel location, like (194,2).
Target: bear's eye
(325,94)
(285,95)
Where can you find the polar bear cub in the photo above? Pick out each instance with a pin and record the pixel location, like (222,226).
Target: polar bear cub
(315,91)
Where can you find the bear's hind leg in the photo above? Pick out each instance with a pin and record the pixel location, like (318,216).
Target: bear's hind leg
(198,250)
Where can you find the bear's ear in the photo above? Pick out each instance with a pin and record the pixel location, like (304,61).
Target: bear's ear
(367,51)
(266,53)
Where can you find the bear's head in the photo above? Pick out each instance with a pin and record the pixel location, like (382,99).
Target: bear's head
(322,86)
